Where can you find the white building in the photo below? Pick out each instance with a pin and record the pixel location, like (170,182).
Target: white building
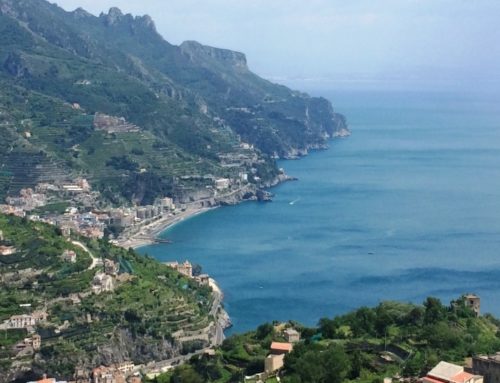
(69,256)
(222,183)
(292,335)
(25,321)
(102,283)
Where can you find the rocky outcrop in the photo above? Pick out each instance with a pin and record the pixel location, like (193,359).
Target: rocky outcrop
(115,17)
(197,52)
(263,196)
(124,346)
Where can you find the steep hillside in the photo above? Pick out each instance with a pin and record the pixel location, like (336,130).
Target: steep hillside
(185,109)
(398,340)
(91,303)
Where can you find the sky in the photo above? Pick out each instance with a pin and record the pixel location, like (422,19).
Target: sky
(429,44)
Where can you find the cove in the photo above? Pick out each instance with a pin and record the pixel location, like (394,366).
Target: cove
(407,207)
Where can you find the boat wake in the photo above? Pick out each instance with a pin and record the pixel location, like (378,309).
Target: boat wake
(294,202)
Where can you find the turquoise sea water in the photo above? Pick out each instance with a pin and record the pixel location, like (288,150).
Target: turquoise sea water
(408,206)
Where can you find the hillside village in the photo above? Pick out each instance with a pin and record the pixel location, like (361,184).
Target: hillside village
(57,289)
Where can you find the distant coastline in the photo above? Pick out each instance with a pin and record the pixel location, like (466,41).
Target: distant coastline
(148,234)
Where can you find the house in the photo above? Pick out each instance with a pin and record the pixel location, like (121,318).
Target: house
(125,367)
(291,335)
(446,372)
(278,348)
(83,184)
(244,177)
(203,279)
(107,375)
(273,363)
(36,342)
(122,218)
(167,203)
(487,366)
(114,374)
(222,183)
(246,146)
(69,256)
(111,267)
(25,321)
(102,283)
(184,268)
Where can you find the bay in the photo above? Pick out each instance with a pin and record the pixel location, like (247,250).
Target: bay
(406,207)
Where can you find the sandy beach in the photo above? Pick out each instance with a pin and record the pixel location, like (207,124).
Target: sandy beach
(146,234)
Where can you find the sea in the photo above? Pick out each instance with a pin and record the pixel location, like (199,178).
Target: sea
(407,207)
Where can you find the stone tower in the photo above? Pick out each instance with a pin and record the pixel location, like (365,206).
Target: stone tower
(473,302)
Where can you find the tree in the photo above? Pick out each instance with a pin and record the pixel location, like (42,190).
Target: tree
(336,364)
(314,364)
(356,365)
(414,317)
(328,327)
(264,330)
(363,322)
(185,374)
(434,310)
(414,365)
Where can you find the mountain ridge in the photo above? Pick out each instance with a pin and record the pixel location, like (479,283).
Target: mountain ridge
(197,103)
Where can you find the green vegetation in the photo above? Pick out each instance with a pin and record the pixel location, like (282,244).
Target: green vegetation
(191,103)
(363,346)
(148,304)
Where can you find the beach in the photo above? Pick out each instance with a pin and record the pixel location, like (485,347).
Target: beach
(402,210)
(146,234)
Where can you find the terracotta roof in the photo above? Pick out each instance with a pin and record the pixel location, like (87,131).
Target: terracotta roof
(430,379)
(462,377)
(281,346)
(445,371)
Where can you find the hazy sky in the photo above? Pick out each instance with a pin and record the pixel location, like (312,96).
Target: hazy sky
(425,43)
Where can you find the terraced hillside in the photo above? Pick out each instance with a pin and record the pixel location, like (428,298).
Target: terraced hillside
(105,305)
(189,105)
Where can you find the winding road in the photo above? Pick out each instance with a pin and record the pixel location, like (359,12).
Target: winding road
(95,261)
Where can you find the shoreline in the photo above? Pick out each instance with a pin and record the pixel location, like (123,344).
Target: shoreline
(147,234)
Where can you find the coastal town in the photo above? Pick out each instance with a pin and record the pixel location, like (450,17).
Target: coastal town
(74,208)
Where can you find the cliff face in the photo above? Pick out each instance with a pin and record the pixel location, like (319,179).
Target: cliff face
(198,53)
(192,102)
